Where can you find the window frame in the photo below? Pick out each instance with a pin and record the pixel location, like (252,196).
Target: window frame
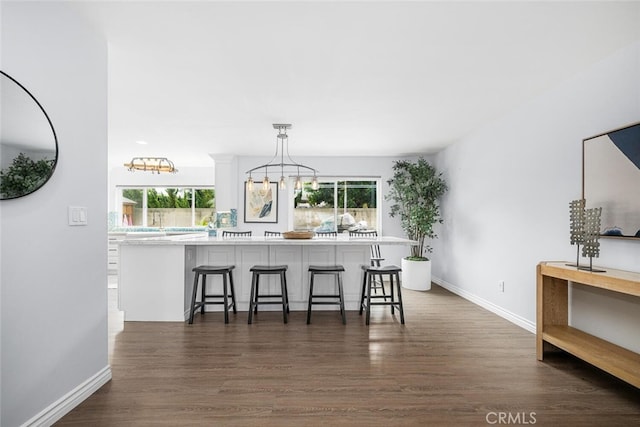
(145,207)
(291,194)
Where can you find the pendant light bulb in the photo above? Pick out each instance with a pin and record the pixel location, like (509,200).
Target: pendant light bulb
(265,183)
(298,183)
(283,183)
(314,183)
(250,184)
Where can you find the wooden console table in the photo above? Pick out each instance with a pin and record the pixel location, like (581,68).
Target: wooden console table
(552,318)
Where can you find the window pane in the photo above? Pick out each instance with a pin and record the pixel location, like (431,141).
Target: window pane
(169,207)
(132,207)
(313,209)
(337,206)
(360,194)
(357,205)
(205,206)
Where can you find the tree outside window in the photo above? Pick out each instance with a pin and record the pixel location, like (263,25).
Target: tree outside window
(167,206)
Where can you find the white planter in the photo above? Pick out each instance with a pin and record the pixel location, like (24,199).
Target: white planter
(416,275)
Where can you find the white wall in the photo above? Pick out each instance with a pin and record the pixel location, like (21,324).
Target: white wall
(53,276)
(508,203)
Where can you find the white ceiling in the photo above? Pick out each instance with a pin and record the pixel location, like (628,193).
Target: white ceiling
(373,78)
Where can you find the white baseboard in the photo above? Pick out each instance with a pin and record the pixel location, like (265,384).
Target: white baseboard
(66,403)
(488,305)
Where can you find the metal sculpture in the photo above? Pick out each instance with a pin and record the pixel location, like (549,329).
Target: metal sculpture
(584,226)
(576,226)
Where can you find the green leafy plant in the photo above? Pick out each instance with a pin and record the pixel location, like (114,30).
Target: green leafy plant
(415,190)
(24,176)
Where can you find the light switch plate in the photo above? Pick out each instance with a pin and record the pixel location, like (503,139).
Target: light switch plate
(77,215)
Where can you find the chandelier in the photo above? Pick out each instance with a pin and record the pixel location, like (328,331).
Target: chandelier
(151,164)
(291,167)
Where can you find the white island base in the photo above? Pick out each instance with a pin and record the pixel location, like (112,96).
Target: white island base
(156,281)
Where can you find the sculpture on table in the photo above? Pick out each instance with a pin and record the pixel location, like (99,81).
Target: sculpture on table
(591,244)
(576,226)
(584,225)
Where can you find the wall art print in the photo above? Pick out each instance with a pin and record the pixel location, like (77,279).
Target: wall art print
(261,205)
(611,180)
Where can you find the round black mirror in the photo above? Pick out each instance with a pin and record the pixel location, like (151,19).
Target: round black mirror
(28,142)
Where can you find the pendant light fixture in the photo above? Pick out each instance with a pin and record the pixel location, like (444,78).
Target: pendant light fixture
(151,164)
(289,167)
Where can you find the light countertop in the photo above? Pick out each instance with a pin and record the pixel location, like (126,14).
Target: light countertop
(204,239)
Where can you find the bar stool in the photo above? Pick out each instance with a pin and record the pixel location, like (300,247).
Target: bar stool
(327,234)
(367,300)
(259,270)
(375,259)
(335,270)
(227,277)
(233,234)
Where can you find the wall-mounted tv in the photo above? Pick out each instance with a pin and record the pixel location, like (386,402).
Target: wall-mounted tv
(611,180)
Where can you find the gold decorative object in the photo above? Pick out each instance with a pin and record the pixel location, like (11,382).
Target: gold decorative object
(298,234)
(151,164)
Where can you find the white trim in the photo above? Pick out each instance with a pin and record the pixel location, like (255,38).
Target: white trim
(488,305)
(66,403)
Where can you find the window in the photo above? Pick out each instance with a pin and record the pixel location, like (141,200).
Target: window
(166,206)
(337,205)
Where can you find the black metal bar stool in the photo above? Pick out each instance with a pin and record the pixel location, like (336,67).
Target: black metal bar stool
(367,300)
(375,258)
(233,234)
(338,299)
(327,234)
(259,270)
(205,299)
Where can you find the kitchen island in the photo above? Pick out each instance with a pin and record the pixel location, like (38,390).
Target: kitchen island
(155,278)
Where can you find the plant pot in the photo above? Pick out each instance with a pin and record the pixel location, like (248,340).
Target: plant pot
(416,275)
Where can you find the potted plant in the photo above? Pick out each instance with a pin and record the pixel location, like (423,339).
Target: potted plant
(415,190)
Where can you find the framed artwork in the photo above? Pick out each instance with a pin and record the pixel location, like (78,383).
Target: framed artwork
(261,205)
(610,178)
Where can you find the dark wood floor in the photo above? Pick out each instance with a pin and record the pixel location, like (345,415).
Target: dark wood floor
(453,363)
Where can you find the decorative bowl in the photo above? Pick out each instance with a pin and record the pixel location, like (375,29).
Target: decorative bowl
(298,234)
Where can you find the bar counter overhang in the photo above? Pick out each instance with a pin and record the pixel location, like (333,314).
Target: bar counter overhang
(155,279)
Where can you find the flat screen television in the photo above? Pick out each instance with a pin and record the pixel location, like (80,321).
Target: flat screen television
(611,180)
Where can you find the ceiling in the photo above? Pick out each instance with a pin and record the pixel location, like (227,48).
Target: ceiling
(354,78)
